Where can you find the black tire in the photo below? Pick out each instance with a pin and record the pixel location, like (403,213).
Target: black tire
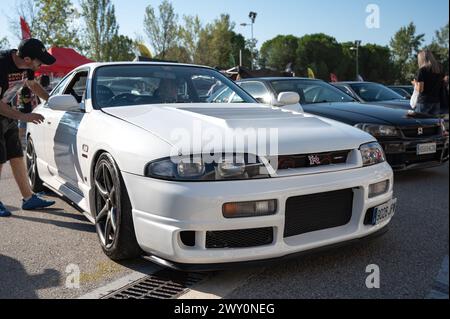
(113,211)
(34,180)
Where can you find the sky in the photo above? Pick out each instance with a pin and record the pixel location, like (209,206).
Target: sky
(343,19)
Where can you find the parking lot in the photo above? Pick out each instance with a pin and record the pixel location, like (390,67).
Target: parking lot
(38,251)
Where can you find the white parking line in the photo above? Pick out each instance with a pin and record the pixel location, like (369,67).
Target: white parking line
(221,285)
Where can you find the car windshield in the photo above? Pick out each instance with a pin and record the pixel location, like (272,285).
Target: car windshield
(127,85)
(373,92)
(311,91)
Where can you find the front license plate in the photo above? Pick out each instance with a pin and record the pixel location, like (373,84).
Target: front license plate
(384,212)
(429,148)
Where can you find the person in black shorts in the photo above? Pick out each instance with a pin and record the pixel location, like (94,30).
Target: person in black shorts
(16,67)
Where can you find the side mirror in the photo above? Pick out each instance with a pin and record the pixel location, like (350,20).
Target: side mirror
(290,101)
(288,98)
(65,102)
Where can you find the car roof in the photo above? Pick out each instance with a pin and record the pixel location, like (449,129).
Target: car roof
(96,65)
(355,82)
(279,78)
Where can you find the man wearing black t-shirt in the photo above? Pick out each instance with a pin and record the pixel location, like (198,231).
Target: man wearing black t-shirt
(16,67)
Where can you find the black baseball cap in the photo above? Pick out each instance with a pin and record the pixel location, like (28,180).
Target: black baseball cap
(35,49)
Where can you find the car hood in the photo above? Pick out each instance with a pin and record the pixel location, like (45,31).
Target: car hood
(354,113)
(395,104)
(296,133)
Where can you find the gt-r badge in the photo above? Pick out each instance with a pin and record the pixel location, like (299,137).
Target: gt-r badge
(314,160)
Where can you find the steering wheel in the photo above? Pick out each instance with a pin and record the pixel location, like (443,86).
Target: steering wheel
(122,97)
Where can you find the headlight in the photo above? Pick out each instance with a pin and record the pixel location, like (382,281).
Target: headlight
(372,153)
(195,168)
(378,130)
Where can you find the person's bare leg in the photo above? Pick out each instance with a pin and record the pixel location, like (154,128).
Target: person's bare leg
(20,175)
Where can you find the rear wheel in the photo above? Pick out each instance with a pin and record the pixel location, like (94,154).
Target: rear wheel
(114,221)
(35,181)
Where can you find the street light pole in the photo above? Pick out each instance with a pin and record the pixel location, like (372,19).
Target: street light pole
(356,48)
(252,15)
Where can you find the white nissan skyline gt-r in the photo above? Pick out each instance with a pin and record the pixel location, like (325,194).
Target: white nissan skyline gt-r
(163,164)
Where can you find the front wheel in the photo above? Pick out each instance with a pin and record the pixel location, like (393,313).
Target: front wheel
(34,180)
(114,221)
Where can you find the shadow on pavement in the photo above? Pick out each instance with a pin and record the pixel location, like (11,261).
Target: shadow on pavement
(88,228)
(17,283)
(61,213)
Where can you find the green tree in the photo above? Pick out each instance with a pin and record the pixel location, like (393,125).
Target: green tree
(178,53)
(101,33)
(320,52)
(162,30)
(238,44)
(4,43)
(54,23)
(278,52)
(405,45)
(189,36)
(215,46)
(375,63)
(122,48)
(440,45)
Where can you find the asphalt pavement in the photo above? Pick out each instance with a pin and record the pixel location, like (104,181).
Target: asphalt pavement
(38,251)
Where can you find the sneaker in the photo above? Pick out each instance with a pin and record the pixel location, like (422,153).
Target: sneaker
(3,211)
(36,203)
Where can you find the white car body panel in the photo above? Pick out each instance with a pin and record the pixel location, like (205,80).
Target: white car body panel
(137,135)
(295,131)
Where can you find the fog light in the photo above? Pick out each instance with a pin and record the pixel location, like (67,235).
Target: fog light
(249,209)
(378,189)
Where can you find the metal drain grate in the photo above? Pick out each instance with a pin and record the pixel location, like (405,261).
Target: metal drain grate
(165,284)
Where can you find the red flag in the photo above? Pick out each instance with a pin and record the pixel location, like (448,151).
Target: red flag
(333,77)
(26,33)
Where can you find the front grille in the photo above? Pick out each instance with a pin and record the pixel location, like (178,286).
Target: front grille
(242,238)
(309,213)
(410,157)
(312,160)
(426,131)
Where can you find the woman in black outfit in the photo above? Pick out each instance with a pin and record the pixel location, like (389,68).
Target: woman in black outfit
(429,81)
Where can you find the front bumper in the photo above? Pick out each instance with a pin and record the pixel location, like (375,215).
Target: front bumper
(402,154)
(162,210)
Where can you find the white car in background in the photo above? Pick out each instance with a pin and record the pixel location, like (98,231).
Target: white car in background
(116,142)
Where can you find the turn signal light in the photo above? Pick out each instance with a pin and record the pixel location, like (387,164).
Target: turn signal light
(249,209)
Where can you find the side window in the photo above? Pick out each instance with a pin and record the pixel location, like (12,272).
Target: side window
(345,90)
(224,96)
(258,90)
(60,87)
(77,87)
(311,94)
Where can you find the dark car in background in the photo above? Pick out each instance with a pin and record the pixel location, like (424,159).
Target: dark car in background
(404,90)
(409,142)
(374,93)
